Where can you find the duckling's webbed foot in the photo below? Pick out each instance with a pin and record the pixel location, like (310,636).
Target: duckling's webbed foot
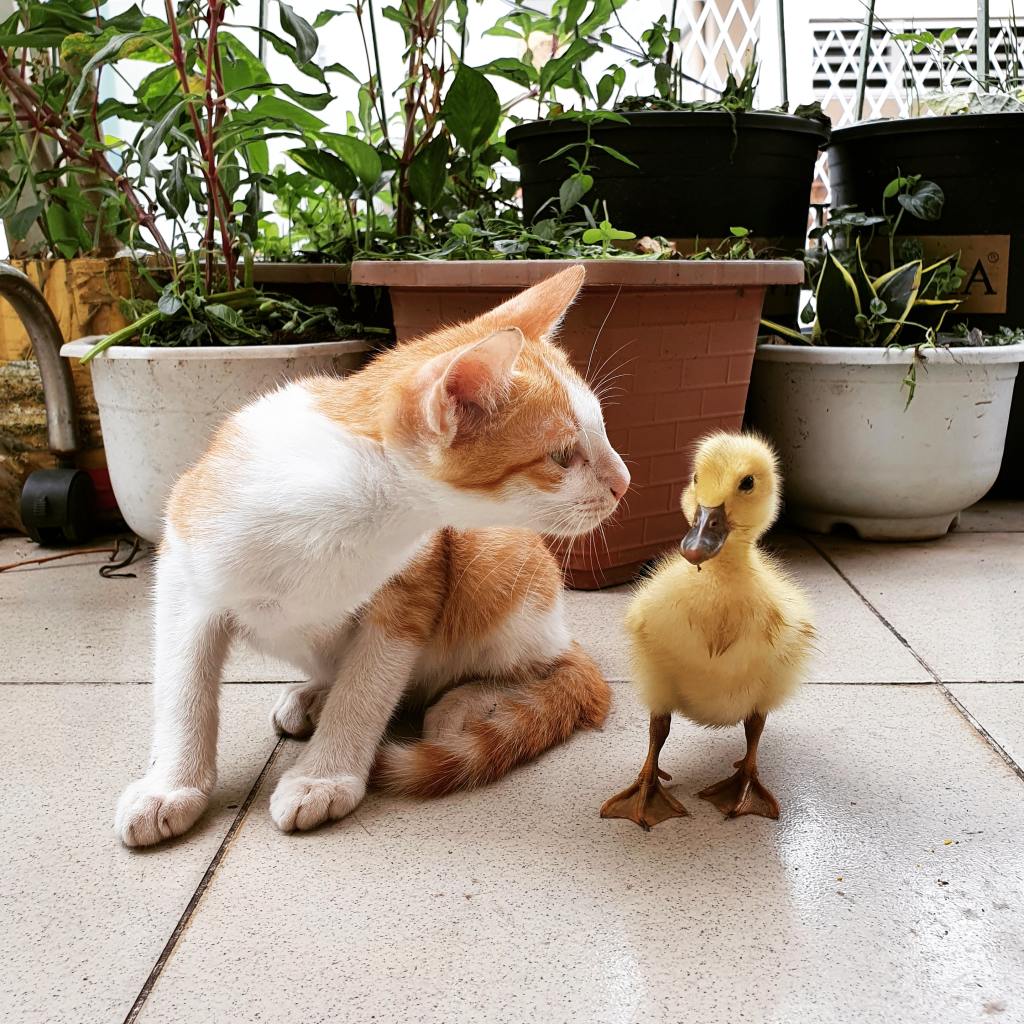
(647,802)
(743,792)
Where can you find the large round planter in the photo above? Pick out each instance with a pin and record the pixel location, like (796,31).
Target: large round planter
(854,453)
(159,406)
(976,159)
(676,339)
(697,173)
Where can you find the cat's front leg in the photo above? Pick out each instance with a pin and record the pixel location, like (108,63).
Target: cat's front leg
(190,649)
(329,779)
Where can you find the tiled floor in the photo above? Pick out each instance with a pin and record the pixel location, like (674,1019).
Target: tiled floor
(891,890)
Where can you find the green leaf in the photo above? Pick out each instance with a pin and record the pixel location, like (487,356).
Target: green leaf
(898,290)
(937,273)
(112,48)
(461,229)
(301,31)
(555,71)
(428,173)
(786,332)
(169,303)
(605,88)
(224,314)
(573,189)
(362,158)
(177,186)
(739,232)
(924,200)
(573,12)
(327,167)
(592,236)
(514,70)
(155,137)
(273,108)
(837,302)
(893,187)
(19,224)
(471,108)
(611,151)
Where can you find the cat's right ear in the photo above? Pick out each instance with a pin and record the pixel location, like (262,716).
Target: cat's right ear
(472,378)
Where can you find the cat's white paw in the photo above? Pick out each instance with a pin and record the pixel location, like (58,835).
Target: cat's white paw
(448,717)
(301,802)
(148,813)
(297,711)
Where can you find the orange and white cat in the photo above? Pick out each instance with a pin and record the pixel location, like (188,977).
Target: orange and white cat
(359,529)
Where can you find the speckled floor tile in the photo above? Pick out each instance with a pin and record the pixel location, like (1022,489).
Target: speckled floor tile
(853,646)
(43,609)
(953,599)
(84,919)
(517,903)
(48,601)
(999,709)
(993,517)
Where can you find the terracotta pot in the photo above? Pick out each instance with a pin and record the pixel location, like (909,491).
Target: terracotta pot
(674,338)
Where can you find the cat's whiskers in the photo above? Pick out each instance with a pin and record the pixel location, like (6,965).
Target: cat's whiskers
(597,337)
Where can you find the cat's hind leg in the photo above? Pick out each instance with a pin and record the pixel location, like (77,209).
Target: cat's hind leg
(191,644)
(298,709)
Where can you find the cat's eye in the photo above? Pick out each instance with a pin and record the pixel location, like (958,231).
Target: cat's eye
(747,483)
(695,479)
(563,456)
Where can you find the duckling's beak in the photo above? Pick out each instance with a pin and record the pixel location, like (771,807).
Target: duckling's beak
(706,537)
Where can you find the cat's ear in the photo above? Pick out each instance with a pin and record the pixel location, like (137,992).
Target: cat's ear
(473,377)
(538,310)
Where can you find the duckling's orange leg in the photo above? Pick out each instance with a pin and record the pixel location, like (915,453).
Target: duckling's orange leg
(742,792)
(647,802)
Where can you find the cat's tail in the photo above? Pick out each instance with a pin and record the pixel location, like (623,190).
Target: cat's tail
(525,721)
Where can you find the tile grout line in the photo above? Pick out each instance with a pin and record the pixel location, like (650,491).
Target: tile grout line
(957,705)
(204,884)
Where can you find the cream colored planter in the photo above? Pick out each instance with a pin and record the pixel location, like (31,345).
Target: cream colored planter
(854,454)
(159,406)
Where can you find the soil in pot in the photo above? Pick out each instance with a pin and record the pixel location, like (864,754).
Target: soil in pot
(674,342)
(976,160)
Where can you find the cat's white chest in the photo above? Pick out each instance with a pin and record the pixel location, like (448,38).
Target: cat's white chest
(318,520)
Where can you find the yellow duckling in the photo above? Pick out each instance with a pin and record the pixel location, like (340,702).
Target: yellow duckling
(719,632)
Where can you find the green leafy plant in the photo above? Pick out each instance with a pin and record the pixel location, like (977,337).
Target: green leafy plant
(961,89)
(904,305)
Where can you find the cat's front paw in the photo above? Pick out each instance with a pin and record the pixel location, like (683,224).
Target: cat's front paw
(301,802)
(149,813)
(297,711)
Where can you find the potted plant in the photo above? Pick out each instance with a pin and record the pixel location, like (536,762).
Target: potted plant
(672,338)
(664,165)
(969,134)
(853,450)
(66,216)
(211,337)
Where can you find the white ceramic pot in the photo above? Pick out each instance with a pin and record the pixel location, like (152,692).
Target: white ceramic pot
(854,453)
(159,406)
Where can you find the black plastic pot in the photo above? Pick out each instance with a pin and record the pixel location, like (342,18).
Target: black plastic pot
(697,174)
(976,159)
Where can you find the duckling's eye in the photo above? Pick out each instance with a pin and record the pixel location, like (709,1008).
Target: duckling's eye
(747,483)
(695,478)
(563,456)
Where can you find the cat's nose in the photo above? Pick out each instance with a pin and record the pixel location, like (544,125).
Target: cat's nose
(616,477)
